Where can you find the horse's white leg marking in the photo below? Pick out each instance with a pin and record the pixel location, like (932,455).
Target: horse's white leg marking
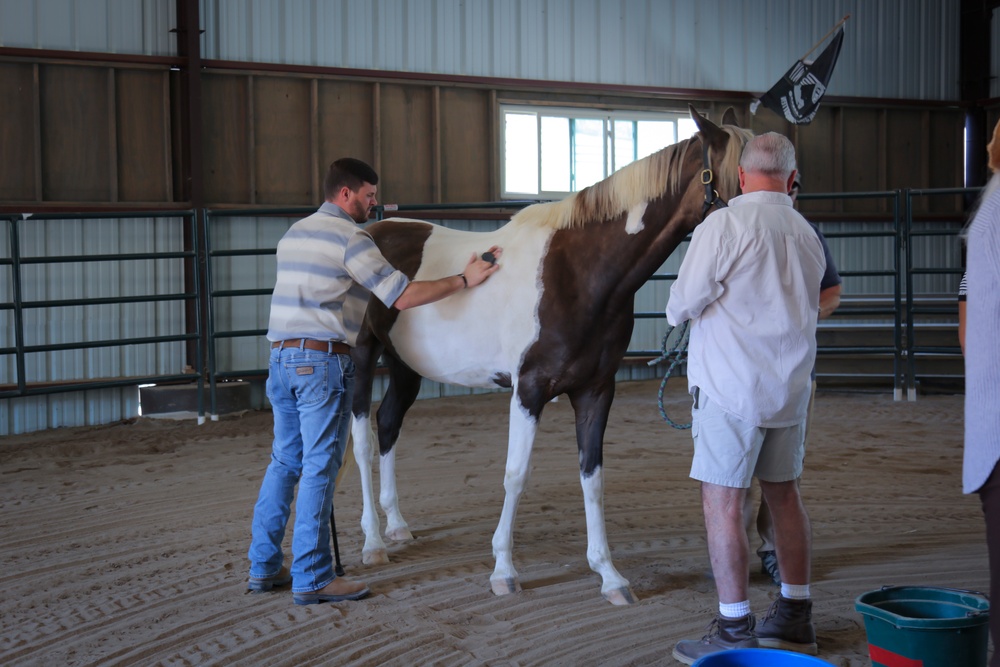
(396,527)
(373,552)
(614,588)
(519,443)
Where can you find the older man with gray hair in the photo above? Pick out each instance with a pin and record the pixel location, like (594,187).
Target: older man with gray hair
(750,285)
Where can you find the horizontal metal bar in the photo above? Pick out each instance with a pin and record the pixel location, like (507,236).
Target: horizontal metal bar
(259,212)
(118,342)
(109,300)
(252,252)
(512,203)
(105,215)
(243,292)
(933,271)
(31,390)
(888,234)
(257,372)
(240,334)
(66,259)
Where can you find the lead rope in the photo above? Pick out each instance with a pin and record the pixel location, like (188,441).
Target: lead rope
(676,355)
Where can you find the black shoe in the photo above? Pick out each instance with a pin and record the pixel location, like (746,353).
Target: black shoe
(769,566)
(723,634)
(788,626)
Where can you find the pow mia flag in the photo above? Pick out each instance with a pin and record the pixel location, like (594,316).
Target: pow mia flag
(796,96)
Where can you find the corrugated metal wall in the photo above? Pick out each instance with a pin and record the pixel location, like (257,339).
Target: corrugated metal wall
(104,26)
(893,48)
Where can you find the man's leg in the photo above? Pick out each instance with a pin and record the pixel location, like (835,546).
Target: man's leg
(729,551)
(277,489)
(726,451)
(728,547)
(792,532)
(325,385)
(765,524)
(766,551)
(788,623)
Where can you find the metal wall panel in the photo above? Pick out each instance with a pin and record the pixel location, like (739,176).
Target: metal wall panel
(105,26)
(892,48)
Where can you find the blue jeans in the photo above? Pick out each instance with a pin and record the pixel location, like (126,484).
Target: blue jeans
(310,394)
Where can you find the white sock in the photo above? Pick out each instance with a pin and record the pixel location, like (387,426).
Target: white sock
(735,610)
(795,591)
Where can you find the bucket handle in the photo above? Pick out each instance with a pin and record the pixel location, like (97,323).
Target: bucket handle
(968,614)
(942,588)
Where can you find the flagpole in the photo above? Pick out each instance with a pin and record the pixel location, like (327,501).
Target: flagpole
(832,30)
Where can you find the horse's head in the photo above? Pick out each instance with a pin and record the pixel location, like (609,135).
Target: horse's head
(721,148)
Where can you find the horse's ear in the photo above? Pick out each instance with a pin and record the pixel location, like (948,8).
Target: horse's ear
(708,129)
(729,117)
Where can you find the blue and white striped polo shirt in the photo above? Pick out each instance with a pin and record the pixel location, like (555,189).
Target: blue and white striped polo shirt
(327,266)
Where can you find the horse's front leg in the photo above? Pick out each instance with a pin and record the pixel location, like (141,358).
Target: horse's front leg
(396,527)
(592,407)
(520,440)
(373,553)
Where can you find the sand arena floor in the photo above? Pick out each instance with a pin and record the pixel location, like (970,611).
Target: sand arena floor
(125,544)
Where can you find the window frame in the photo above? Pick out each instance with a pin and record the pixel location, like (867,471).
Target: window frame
(609,116)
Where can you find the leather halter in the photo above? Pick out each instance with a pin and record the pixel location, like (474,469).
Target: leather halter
(712,197)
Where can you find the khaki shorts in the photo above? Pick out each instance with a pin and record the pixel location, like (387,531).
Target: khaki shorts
(731,452)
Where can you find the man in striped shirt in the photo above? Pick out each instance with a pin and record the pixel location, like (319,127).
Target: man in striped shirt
(327,268)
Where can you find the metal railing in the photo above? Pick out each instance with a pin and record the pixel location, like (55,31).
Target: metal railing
(202,255)
(914,310)
(19,304)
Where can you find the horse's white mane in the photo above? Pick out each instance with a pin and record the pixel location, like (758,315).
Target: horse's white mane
(635,183)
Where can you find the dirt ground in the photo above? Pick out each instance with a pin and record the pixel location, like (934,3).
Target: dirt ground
(126,544)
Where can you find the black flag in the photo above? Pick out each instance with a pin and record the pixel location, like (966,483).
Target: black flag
(796,96)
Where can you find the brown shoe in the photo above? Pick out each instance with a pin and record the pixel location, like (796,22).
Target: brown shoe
(723,634)
(338,590)
(788,626)
(264,584)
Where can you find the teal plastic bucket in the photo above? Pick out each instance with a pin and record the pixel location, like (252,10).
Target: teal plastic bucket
(932,627)
(759,657)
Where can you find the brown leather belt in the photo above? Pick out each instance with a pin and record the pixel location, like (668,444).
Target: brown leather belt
(331,346)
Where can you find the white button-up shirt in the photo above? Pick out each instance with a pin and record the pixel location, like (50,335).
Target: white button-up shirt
(749,283)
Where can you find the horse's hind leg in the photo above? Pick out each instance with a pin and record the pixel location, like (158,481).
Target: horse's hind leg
(404,385)
(365,357)
(592,407)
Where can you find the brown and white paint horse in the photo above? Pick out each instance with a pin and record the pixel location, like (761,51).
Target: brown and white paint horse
(556,319)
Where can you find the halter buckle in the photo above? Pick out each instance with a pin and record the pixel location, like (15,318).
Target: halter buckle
(707,176)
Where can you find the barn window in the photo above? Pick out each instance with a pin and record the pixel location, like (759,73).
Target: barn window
(550,152)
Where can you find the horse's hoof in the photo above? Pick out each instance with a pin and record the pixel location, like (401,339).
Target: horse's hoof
(505,586)
(375,557)
(620,596)
(399,534)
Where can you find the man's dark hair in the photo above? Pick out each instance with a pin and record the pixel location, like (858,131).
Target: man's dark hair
(347,171)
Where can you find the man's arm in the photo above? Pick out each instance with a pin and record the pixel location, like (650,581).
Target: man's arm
(422,292)
(696,285)
(829,301)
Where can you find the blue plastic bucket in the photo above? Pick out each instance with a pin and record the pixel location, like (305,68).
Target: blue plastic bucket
(935,627)
(759,657)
